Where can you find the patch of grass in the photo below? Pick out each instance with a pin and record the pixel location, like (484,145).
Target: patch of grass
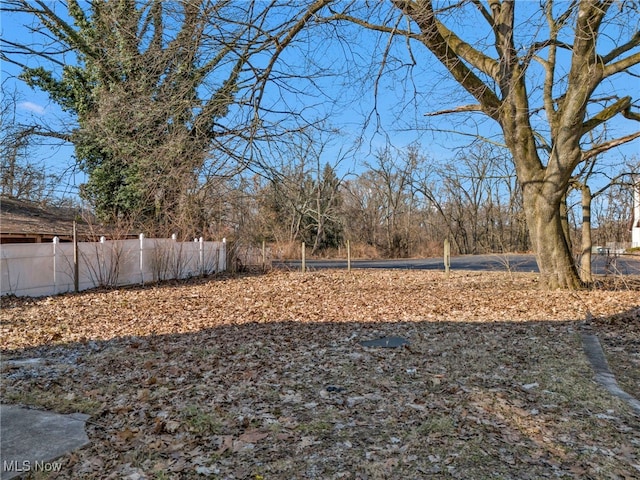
(442,425)
(201,422)
(51,400)
(141,458)
(315,427)
(205,352)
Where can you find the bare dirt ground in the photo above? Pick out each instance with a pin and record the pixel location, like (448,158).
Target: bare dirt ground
(264,377)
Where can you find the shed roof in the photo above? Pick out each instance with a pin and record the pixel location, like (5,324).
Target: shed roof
(23,218)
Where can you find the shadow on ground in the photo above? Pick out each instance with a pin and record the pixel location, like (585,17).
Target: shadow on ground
(281,399)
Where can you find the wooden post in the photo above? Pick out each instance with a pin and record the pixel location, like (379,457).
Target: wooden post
(348,256)
(264,256)
(447,256)
(76,267)
(304,258)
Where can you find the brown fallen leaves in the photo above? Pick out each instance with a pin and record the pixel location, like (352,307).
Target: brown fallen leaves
(264,377)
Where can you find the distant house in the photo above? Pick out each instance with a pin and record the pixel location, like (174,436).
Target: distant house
(22,221)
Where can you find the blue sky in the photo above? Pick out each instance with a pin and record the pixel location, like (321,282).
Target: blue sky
(396,116)
(34,106)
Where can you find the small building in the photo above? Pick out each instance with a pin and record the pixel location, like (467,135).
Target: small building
(22,221)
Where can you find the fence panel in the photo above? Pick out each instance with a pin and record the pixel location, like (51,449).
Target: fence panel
(213,258)
(126,259)
(161,258)
(93,265)
(27,269)
(64,271)
(48,268)
(190,255)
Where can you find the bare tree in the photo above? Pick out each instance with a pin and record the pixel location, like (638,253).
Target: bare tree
(513,69)
(477,199)
(392,174)
(361,210)
(605,206)
(20,177)
(302,202)
(161,93)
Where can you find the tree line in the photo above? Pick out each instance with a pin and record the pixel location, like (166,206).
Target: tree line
(402,204)
(170,104)
(399,203)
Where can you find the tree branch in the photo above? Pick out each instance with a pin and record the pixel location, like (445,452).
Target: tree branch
(485,13)
(603,147)
(632,43)
(25,50)
(289,37)
(462,108)
(439,39)
(34,130)
(622,65)
(465,51)
(606,114)
(627,113)
(370,26)
(65,31)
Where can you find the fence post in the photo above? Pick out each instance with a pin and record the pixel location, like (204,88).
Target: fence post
(76,266)
(304,258)
(201,241)
(56,241)
(447,256)
(141,258)
(223,253)
(195,240)
(102,263)
(172,262)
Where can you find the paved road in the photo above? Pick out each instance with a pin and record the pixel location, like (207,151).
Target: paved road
(623,264)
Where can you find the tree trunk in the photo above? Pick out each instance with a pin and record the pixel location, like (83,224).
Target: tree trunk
(586,243)
(553,255)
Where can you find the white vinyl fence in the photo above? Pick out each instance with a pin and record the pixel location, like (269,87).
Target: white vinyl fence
(49,268)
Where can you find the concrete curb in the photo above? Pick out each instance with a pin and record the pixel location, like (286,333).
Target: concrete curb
(603,375)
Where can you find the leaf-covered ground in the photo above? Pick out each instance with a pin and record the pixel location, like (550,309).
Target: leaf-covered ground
(264,377)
